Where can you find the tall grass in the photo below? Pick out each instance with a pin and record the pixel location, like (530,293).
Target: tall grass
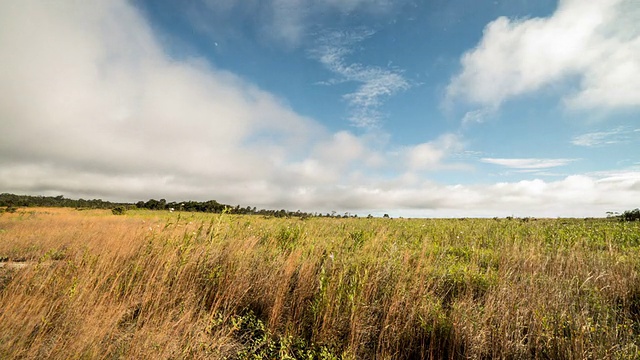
(182,285)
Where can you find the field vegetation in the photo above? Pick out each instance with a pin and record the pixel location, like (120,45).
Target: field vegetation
(154,284)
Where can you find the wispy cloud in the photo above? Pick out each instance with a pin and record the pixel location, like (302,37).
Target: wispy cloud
(477,116)
(602,138)
(375,84)
(528,164)
(286,22)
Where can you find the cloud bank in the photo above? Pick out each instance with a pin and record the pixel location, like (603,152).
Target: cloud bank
(89,91)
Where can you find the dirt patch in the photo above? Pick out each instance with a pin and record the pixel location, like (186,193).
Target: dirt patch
(16,265)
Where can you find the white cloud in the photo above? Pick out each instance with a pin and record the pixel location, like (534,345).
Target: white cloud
(376,84)
(596,42)
(602,138)
(528,164)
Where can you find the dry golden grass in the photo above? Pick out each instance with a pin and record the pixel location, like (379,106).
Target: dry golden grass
(182,285)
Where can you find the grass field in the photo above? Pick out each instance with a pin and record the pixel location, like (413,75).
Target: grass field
(89,284)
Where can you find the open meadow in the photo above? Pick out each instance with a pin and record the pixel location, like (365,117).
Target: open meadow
(154,284)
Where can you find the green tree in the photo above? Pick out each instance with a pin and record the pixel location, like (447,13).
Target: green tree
(631,215)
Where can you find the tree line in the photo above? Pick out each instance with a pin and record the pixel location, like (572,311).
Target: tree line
(12,201)
(212,206)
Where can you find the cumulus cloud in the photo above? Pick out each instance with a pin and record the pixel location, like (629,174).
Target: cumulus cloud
(594,43)
(375,84)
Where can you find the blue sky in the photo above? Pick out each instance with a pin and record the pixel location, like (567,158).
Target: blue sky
(412,108)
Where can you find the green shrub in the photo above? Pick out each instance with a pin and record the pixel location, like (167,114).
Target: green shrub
(120,210)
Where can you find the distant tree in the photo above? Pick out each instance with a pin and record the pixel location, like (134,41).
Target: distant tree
(386,216)
(631,215)
(152,204)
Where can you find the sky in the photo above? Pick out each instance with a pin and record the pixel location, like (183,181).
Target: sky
(427,108)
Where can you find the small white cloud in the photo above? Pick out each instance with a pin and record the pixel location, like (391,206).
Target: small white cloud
(430,155)
(528,164)
(596,42)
